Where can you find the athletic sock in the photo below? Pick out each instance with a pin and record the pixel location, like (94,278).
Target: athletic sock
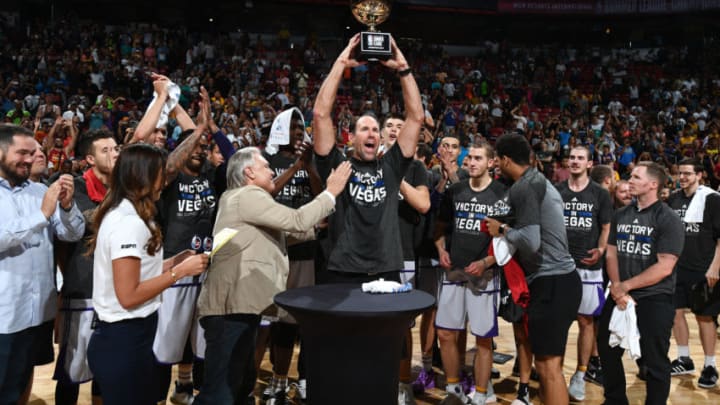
(281,382)
(709,361)
(427,363)
(683,351)
(523,390)
(184,377)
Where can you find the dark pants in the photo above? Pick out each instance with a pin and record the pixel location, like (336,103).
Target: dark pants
(16,364)
(163,372)
(121,358)
(229,359)
(655,320)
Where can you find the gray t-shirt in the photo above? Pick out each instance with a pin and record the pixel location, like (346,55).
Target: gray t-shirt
(538,230)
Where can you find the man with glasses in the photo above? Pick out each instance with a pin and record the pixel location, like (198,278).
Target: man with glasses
(698,263)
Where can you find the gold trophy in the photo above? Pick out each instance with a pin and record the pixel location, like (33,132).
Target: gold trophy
(374,45)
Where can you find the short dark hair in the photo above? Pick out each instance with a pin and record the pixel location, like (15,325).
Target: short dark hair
(85,146)
(514,146)
(656,172)
(585,148)
(599,173)
(425,152)
(184,135)
(8,131)
(391,116)
(695,163)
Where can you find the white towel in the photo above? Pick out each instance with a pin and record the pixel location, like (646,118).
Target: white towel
(172,100)
(280,131)
(383,286)
(503,250)
(624,331)
(696,209)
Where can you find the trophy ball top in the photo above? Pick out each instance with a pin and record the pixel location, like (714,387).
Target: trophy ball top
(371,12)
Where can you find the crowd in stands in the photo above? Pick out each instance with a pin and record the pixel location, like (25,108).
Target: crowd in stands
(625,104)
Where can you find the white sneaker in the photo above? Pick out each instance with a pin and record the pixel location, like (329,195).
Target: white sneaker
(491,397)
(522,401)
(576,390)
(405,394)
(269,390)
(478,398)
(458,392)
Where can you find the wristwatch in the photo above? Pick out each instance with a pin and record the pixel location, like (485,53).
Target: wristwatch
(502,229)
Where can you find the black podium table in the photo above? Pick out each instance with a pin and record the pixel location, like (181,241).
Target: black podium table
(352,341)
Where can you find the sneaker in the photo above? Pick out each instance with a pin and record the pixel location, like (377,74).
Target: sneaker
(467,382)
(269,391)
(278,398)
(183,394)
(522,401)
(576,390)
(424,381)
(594,374)
(490,398)
(478,398)
(533,373)
(301,389)
(708,377)
(405,394)
(458,392)
(682,366)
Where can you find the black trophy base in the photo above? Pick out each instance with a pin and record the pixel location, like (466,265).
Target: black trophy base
(374,46)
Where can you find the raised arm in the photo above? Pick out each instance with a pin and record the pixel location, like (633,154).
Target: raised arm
(177,158)
(322,111)
(149,121)
(414,112)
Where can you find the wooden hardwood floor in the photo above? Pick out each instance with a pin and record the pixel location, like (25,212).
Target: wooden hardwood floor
(684,390)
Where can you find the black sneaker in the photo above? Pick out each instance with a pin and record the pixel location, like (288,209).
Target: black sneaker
(682,366)
(594,374)
(708,377)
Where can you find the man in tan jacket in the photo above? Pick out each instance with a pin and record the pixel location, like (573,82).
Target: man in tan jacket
(247,272)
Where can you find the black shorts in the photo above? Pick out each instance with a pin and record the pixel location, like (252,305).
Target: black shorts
(683,283)
(42,348)
(554,303)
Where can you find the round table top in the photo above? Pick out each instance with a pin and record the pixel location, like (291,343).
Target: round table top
(348,299)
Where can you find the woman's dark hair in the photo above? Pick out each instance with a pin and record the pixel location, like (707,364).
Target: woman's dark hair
(137,171)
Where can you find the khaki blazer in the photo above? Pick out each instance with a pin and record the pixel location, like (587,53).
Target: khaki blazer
(252,267)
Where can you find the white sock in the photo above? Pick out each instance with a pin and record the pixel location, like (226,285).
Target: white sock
(452,387)
(709,361)
(683,351)
(580,374)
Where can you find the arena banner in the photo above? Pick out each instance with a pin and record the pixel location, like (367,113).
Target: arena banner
(605,7)
(546,7)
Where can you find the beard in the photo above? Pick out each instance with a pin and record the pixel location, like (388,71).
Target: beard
(12,174)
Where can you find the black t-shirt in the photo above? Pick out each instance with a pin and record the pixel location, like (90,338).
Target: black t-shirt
(412,222)
(364,232)
(585,212)
(296,193)
(464,209)
(187,208)
(78,268)
(700,238)
(639,237)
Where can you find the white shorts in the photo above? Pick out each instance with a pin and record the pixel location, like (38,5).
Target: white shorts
(593,296)
(458,304)
(407,274)
(177,322)
(75,329)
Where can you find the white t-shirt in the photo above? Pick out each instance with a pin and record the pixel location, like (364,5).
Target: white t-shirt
(122,233)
